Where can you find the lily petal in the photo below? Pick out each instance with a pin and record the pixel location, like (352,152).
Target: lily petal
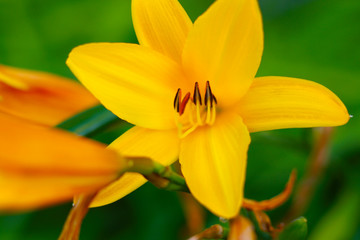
(225,47)
(161,146)
(281,102)
(213,161)
(241,228)
(10,81)
(40,166)
(41,97)
(162,25)
(23,192)
(134,82)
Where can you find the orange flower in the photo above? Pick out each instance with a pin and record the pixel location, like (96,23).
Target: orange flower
(41,97)
(40,166)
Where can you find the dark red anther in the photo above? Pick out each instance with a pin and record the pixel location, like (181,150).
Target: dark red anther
(208,94)
(177,100)
(183,103)
(197,95)
(214,98)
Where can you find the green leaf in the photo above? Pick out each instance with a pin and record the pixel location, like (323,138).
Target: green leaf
(90,121)
(296,230)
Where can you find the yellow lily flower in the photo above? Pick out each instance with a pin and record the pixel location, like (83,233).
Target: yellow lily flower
(191,91)
(41,166)
(41,97)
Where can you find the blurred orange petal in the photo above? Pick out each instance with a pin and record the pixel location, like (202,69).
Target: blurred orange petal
(241,229)
(41,97)
(41,166)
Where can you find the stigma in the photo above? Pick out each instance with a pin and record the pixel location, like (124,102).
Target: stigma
(194,111)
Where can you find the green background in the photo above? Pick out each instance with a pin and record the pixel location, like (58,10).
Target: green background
(311,39)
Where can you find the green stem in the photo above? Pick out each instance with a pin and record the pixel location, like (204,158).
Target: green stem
(214,232)
(161,176)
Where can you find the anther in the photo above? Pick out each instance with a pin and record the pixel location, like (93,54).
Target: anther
(183,103)
(214,98)
(177,100)
(209,96)
(197,95)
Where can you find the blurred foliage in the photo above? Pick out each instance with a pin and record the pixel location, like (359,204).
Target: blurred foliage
(310,39)
(296,230)
(90,122)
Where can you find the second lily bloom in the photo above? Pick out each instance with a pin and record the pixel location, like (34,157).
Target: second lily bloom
(214,62)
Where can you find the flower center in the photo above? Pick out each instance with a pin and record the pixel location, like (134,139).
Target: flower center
(192,114)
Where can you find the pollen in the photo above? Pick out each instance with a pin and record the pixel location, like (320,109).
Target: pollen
(197,112)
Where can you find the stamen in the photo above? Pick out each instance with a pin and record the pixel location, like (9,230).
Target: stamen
(209,97)
(177,100)
(208,114)
(214,98)
(187,132)
(197,95)
(213,115)
(198,115)
(183,103)
(207,93)
(191,119)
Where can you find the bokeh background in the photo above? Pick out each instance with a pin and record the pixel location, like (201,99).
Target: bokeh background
(311,39)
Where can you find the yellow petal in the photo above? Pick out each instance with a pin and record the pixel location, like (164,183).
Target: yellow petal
(134,82)
(225,47)
(161,146)
(41,166)
(162,25)
(281,102)
(41,97)
(213,161)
